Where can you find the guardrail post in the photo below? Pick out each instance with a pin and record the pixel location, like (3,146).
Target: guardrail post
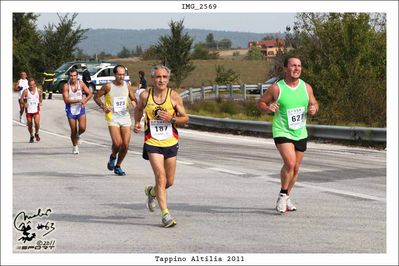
(231,90)
(244,91)
(202,92)
(217,90)
(260,88)
(190,95)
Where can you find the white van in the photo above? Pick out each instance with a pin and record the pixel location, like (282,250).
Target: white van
(102,74)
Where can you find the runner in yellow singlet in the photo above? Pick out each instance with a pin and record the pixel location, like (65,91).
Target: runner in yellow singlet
(163,108)
(116,94)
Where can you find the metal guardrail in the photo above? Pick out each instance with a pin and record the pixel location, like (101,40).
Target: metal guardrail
(317,131)
(192,94)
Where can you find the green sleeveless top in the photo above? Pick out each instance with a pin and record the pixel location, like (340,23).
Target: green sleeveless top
(289,120)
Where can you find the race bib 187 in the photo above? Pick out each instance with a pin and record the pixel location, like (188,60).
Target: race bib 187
(160,129)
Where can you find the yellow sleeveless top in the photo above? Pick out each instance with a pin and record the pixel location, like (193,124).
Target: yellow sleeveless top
(159,133)
(117,99)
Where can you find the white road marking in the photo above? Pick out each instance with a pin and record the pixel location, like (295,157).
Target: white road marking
(226,171)
(326,189)
(276,180)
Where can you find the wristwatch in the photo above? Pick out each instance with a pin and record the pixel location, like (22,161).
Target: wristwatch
(173,120)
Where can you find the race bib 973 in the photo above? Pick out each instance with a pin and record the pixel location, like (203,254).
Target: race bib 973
(119,104)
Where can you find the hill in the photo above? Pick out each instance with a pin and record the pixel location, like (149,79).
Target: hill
(112,40)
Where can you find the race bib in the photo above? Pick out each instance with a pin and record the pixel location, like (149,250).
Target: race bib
(296,117)
(32,106)
(75,108)
(119,104)
(160,129)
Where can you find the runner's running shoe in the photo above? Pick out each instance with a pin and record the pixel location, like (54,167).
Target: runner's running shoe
(290,207)
(151,204)
(111,163)
(281,205)
(168,221)
(118,170)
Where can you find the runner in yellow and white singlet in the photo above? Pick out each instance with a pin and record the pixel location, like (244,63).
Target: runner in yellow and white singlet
(116,94)
(164,109)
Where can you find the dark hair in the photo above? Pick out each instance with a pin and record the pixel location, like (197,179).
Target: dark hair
(141,72)
(31,79)
(72,70)
(116,68)
(288,57)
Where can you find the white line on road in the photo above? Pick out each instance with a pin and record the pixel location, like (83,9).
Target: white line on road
(226,171)
(325,189)
(68,137)
(276,180)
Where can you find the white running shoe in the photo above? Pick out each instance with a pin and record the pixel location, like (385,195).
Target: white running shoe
(75,150)
(151,204)
(290,207)
(281,205)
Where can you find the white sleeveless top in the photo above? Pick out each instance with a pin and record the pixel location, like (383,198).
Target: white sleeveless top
(22,85)
(75,108)
(33,101)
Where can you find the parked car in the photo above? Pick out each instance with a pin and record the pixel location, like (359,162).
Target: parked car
(61,73)
(102,74)
(267,82)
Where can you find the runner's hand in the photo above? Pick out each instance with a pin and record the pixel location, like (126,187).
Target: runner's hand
(137,127)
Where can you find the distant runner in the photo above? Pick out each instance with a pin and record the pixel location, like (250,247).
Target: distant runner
(34,99)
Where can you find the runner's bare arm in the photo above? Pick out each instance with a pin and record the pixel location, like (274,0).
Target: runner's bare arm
(138,111)
(23,96)
(182,116)
(88,92)
(97,98)
(40,96)
(313,107)
(132,95)
(267,102)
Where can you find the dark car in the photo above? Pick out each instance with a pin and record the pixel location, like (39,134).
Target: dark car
(267,82)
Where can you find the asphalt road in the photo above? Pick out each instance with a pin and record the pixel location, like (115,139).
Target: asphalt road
(223,198)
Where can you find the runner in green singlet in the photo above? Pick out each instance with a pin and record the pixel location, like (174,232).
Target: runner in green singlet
(290,99)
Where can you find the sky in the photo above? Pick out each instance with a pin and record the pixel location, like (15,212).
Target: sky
(243,22)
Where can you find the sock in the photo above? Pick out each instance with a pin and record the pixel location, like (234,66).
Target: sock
(152,192)
(165,212)
(284,191)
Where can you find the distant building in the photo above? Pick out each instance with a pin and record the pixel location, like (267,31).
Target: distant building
(269,48)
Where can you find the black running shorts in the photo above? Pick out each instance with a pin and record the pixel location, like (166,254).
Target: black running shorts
(300,145)
(167,152)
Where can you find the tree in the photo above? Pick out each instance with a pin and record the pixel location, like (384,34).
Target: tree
(27,48)
(60,41)
(226,76)
(254,53)
(124,53)
(224,44)
(210,41)
(138,51)
(344,58)
(174,51)
(151,53)
(201,51)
